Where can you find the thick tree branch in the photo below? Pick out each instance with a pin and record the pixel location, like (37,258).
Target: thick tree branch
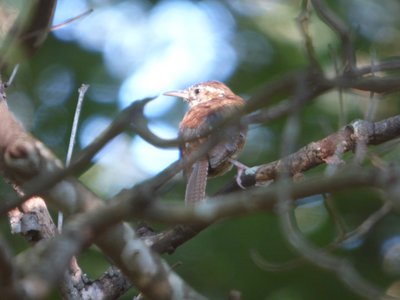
(23,158)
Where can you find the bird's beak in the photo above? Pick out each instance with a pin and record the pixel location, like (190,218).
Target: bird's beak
(181,94)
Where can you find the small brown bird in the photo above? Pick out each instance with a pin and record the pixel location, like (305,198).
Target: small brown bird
(209,103)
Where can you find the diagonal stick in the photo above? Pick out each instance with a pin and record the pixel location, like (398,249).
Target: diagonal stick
(72,140)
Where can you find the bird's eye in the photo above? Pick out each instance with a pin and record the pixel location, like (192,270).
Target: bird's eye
(197,91)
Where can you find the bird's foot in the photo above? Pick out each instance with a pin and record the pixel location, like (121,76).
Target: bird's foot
(241,168)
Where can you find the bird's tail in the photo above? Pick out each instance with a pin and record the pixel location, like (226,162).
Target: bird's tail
(196,186)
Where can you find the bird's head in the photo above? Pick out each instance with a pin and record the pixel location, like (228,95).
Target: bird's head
(202,92)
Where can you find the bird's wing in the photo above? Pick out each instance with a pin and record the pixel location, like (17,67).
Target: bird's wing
(227,148)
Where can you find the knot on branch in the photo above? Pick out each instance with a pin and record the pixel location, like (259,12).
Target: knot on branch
(362,131)
(22,158)
(26,157)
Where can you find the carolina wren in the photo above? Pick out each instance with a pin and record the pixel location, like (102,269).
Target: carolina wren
(209,102)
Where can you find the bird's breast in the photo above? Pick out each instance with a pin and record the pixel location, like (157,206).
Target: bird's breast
(202,118)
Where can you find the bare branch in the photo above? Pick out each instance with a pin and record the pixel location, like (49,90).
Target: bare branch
(317,153)
(24,158)
(374,133)
(316,85)
(14,137)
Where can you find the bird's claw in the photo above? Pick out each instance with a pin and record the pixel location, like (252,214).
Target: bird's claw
(241,168)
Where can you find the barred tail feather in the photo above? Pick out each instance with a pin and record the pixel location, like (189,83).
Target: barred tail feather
(196,186)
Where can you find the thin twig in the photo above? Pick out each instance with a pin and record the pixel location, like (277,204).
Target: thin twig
(72,140)
(70,20)
(13,74)
(286,86)
(82,91)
